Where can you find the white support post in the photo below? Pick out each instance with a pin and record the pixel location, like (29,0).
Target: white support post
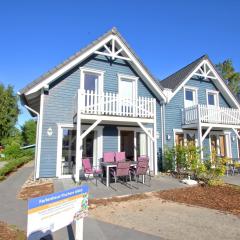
(90,129)
(145,130)
(78,140)
(206,133)
(236,132)
(155,139)
(199,132)
(79,229)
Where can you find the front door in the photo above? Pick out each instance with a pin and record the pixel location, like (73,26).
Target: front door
(214,151)
(127,143)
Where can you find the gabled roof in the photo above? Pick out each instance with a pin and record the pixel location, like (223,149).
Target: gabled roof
(51,73)
(174,80)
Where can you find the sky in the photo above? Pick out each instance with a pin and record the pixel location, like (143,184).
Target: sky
(167,35)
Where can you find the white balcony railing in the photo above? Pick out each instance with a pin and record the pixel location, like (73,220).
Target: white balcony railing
(210,114)
(114,105)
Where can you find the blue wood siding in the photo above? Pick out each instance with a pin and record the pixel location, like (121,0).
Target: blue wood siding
(110,139)
(59,105)
(173,112)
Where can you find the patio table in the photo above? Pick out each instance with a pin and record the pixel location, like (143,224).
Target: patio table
(109,165)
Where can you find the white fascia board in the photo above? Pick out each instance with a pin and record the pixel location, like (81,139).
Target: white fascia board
(83,56)
(218,78)
(69,66)
(153,84)
(223,85)
(185,81)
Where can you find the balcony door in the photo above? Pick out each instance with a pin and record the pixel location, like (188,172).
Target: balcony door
(127,92)
(190,97)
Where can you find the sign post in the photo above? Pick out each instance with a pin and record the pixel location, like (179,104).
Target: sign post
(52,212)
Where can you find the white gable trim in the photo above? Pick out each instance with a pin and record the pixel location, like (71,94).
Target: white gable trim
(69,66)
(216,77)
(153,85)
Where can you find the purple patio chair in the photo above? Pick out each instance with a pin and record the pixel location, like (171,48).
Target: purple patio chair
(108,157)
(89,170)
(121,171)
(141,169)
(120,156)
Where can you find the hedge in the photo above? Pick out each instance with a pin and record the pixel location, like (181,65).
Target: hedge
(13,165)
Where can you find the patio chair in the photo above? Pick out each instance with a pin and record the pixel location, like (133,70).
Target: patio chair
(141,169)
(120,156)
(108,157)
(121,171)
(90,171)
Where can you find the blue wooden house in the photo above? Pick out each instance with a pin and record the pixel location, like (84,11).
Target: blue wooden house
(201,109)
(104,99)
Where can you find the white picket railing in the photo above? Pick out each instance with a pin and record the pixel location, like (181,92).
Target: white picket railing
(210,114)
(112,104)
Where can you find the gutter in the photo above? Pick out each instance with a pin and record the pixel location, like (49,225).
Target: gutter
(36,149)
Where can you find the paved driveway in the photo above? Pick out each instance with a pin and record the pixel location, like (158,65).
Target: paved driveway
(14,211)
(235,180)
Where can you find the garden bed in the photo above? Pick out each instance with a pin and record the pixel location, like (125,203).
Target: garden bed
(13,165)
(37,188)
(10,232)
(225,198)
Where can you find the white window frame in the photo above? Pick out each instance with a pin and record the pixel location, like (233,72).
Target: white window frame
(227,136)
(195,89)
(99,73)
(131,78)
(185,132)
(149,142)
(216,93)
(98,148)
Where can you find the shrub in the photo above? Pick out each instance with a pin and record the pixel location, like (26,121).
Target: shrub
(13,165)
(13,151)
(188,159)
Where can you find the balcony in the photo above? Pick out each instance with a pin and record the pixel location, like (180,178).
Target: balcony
(210,115)
(112,104)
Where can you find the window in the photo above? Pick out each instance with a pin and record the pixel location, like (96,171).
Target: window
(212,98)
(190,139)
(91,80)
(190,96)
(185,138)
(179,139)
(127,86)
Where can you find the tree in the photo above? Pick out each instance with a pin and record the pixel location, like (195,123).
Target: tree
(8,111)
(29,132)
(230,75)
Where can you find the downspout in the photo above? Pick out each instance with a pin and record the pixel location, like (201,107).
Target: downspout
(37,132)
(163,134)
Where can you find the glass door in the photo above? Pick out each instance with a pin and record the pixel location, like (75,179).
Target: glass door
(127,93)
(88,146)
(68,157)
(127,143)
